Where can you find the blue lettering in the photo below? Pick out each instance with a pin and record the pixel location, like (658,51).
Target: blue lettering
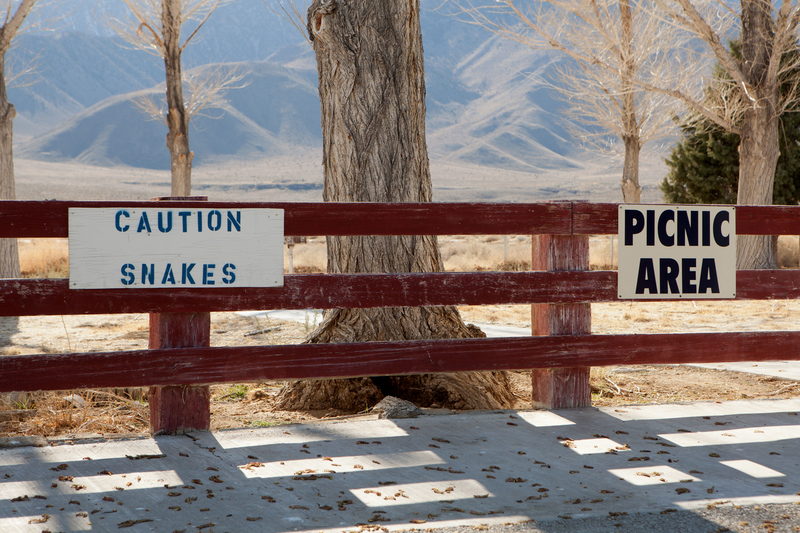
(186,273)
(161,226)
(227,271)
(208,274)
(126,271)
(169,275)
(216,224)
(199,221)
(184,216)
(144,223)
(123,213)
(235,221)
(148,274)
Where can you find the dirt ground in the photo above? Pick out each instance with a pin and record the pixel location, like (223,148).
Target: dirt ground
(74,413)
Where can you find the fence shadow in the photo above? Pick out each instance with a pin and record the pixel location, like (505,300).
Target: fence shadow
(565,470)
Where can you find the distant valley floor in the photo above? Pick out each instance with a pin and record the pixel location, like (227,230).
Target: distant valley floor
(299,178)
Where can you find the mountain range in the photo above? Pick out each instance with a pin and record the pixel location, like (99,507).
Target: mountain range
(488,100)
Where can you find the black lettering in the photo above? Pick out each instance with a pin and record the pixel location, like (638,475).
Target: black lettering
(708,276)
(719,238)
(646,279)
(668,275)
(688,275)
(634,223)
(706,228)
(651,227)
(687,229)
(665,238)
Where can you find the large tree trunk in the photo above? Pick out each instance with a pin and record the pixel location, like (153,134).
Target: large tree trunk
(759,148)
(9,253)
(177,116)
(372,90)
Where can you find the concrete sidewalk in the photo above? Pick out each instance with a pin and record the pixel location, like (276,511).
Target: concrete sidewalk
(563,468)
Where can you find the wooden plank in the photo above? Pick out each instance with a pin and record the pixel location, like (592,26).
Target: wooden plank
(601,219)
(192,366)
(31,219)
(23,297)
(594,219)
(560,388)
(175,409)
(31,297)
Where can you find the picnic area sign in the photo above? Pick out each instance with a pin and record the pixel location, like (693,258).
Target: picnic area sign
(677,252)
(113,248)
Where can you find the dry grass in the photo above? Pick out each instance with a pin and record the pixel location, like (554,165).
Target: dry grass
(49,258)
(104,411)
(44,258)
(76,412)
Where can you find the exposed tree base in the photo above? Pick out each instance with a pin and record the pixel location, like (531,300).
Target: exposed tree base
(467,390)
(460,391)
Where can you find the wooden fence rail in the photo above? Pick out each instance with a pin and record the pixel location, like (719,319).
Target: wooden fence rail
(198,365)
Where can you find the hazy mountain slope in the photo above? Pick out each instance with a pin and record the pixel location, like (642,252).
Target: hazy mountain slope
(487,100)
(74,71)
(116,132)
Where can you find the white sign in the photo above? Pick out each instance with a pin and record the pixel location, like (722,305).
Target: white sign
(113,248)
(677,252)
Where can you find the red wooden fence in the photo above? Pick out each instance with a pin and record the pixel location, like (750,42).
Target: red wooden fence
(558,349)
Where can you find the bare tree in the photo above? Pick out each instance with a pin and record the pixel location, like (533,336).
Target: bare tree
(372,92)
(611,44)
(15,14)
(749,100)
(156,27)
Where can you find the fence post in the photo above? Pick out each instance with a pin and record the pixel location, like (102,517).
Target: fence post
(175,409)
(560,388)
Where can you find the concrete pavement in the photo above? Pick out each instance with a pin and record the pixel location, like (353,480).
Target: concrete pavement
(559,468)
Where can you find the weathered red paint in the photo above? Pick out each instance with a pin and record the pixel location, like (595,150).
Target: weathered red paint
(32,219)
(31,297)
(601,219)
(197,366)
(49,218)
(558,388)
(180,335)
(178,408)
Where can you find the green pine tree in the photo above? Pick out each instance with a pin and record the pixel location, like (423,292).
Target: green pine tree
(704,165)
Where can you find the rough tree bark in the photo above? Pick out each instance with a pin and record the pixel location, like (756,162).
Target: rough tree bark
(631,190)
(372,90)
(177,116)
(9,252)
(759,147)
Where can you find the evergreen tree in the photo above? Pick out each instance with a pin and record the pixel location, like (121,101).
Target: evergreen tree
(704,165)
